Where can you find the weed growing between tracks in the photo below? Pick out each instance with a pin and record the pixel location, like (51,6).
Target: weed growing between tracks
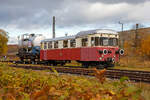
(21,84)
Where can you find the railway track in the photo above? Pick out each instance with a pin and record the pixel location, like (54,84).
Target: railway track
(137,76)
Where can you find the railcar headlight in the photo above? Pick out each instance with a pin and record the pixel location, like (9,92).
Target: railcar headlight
(121,52)
(100,58)
(105,51)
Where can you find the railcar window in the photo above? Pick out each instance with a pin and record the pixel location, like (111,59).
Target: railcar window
(55,44)
(96,41)
(114,41)
(84,42)
(92,41)
(104,41)
(50,44)
(65,43)
(72,43)
(111,42)
(45,45)
(42,46)
(101,41)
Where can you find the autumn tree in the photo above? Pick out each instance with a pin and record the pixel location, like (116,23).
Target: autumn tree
(3,42)
(144,48)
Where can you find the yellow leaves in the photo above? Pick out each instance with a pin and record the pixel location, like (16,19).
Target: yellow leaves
(3,42)
(35,85)
(8,96)
(10,93)
(46,93)
(98,97)
(145,46)
(141,49)
(39,95)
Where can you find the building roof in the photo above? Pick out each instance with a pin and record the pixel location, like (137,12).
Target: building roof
(106,31)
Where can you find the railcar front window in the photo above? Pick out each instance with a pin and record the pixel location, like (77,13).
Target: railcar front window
(113,41)
(105,42)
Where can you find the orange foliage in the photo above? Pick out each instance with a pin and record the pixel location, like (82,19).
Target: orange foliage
(40,95)
(145,46)
(127,47)
(100,75)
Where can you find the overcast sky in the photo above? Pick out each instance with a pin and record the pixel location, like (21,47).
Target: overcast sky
(35,16)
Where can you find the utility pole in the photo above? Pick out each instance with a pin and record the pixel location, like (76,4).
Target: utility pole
(122,41)
(121,26)
(53,27)
(136,35)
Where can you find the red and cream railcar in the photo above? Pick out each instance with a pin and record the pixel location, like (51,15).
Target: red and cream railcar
(91,48)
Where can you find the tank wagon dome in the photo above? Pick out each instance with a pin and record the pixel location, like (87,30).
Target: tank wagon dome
(59,38)
(96,31)
(26,40)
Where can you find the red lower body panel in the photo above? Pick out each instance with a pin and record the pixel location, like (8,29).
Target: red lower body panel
(81,54)
(61,54)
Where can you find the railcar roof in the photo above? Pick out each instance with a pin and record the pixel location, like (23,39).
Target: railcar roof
(59,38)
(106,31)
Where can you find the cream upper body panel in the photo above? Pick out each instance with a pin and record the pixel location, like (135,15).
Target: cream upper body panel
(82,39)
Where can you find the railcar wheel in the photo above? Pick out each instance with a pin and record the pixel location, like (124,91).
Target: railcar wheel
(100,66)
(85,64)
(109,64)
(54,64)
(21,59)
(62,64)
